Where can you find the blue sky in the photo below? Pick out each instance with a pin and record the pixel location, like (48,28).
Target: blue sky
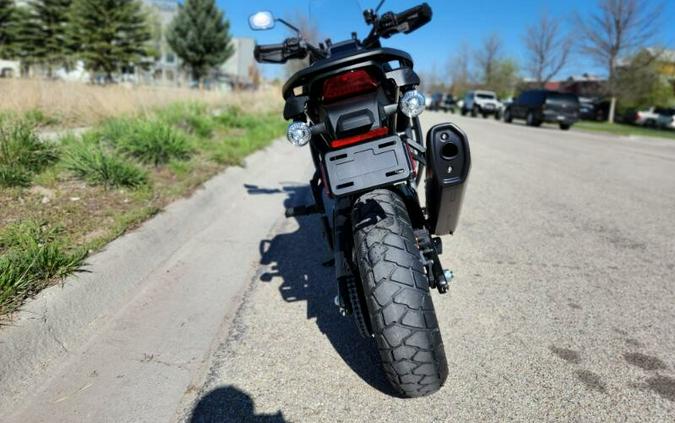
(454,22)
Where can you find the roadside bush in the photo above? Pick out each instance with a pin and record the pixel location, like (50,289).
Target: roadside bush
(150,141)
(91,162)
(22,153)
(32,255)
(234,117)
(155,142)
(193,118)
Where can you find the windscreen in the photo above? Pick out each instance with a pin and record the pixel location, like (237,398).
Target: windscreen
(486,96)
(562,98)
(337,19)
(665,112)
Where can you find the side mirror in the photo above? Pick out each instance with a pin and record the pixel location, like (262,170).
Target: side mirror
(261,21)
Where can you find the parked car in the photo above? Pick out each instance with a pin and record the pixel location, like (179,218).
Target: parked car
(539,106)
(655,117)
(427,100)
(482,102)
(436,101)
(666,119)
(442,102)
(593,109)
(449,103)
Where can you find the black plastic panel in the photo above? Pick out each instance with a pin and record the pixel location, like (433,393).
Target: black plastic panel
(366,166)
(342,62)
(448,166)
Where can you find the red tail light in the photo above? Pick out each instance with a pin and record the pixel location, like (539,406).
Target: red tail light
(375,133)
(353,82)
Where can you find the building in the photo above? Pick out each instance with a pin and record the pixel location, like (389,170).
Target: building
(585,85)
(165,70)
(168,69)
(239,68)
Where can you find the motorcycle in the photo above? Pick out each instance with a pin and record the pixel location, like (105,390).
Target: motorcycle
(357,109)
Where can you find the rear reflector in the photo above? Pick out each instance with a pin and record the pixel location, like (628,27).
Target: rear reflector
(349,83)
(375,133)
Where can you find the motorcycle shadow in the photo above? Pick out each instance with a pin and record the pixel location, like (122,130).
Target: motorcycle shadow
(296,259)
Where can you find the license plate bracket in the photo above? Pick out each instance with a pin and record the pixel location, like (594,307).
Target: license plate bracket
(366,166)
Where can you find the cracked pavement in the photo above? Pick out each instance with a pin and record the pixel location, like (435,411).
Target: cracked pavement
(562,308)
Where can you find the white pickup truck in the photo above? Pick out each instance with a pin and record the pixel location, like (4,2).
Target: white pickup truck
(482,103)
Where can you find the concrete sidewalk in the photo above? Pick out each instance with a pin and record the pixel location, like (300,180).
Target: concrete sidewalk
(126,341)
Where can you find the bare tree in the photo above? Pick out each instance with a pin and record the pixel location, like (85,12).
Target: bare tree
(459,69)
(619,28)
(487,57)
(548,49)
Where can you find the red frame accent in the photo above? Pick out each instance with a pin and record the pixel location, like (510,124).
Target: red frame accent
(375,133)
(349,83)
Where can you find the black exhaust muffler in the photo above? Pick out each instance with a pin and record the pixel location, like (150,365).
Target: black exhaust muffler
(448,165)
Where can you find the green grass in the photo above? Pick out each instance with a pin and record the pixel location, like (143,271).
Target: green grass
(33,255)
(254,135)
(193,118)
(92,163)
(22,153)
(623,129)
(133,167)
(154,142)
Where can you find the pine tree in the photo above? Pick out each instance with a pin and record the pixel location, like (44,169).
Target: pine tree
(110,34)
(200,36)
(7,37)
(48,37)
(24,30)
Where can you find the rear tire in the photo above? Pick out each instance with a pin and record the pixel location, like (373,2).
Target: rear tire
(397,294)
(565,126)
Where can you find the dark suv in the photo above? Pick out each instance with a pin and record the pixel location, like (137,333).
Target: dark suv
(538,106)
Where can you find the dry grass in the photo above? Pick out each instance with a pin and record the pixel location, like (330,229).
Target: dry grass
(76,105)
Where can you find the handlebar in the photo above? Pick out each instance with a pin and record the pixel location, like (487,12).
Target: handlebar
(392,23)
(291,48)
(383,27)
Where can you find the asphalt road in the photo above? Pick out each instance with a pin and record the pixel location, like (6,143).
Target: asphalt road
(562,309)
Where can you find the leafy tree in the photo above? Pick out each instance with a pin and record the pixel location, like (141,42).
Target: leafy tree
(200,36)
(504,77)
(7,37)
(110,34)
(47,36)
(639,83)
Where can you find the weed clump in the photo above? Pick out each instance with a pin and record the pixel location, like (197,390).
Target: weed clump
(22,153)
(32,255)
